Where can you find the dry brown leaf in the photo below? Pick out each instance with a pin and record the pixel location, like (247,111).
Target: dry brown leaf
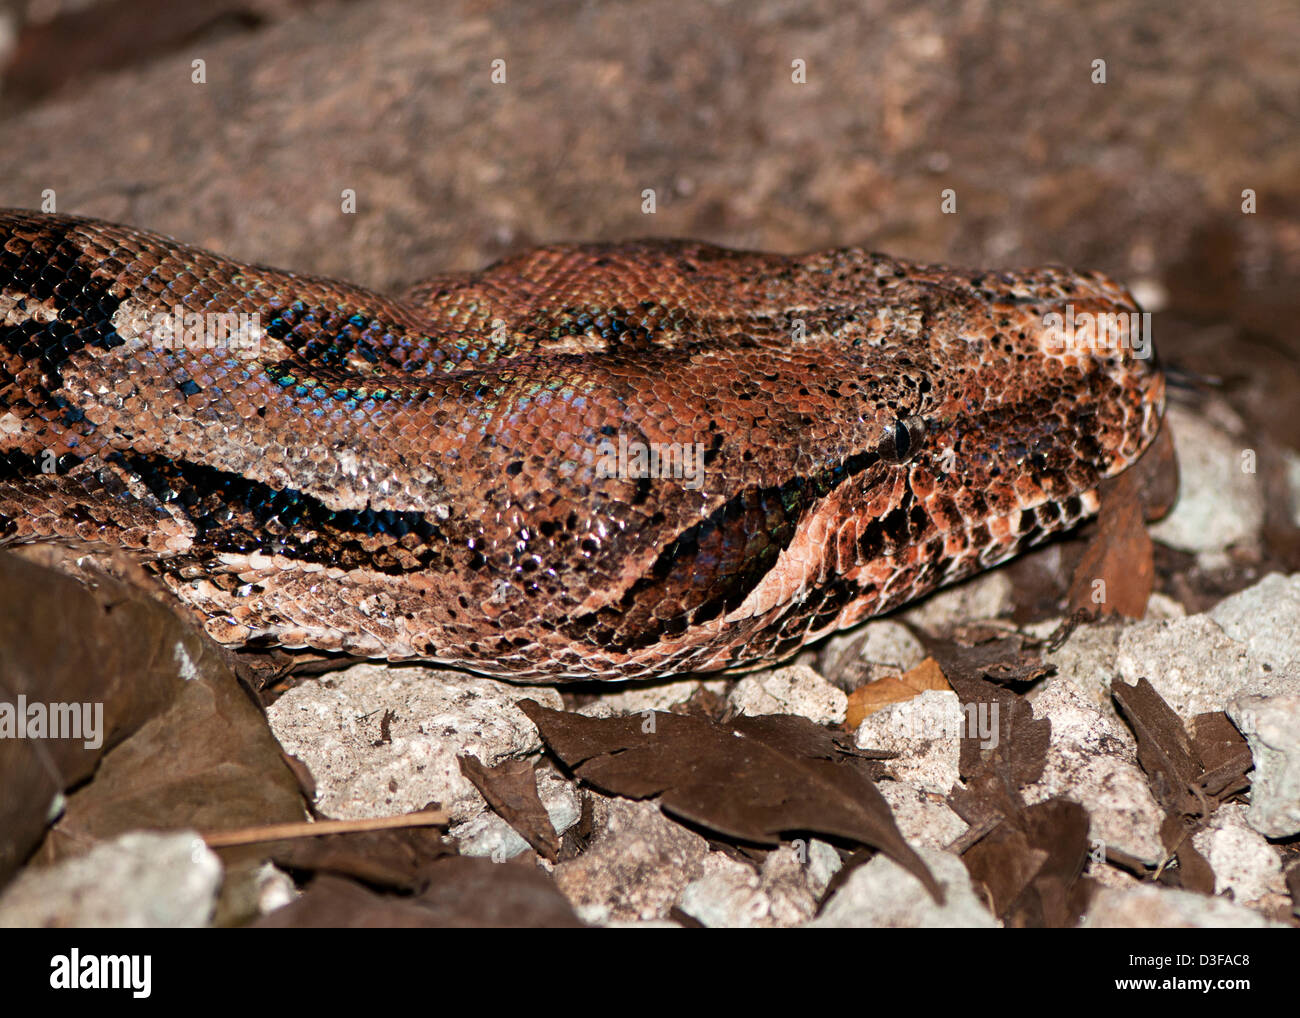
(755,778)
(866,700)
(1117,572)
(183,745)
(510,789)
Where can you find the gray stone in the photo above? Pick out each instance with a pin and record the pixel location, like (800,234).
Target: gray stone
(883,894)
(823,863)
(139,880)
(730,893)
(636,866)
(1085,661)
(488,835)
(1272,727)
(794,689)
(876,650)
(1146,906)
(640,698)
(923,818)
(1266,619)
(986,596)
(1219,504)
(1195,665)
(1092,760)
(926,733)
(334,726)
(1245,865)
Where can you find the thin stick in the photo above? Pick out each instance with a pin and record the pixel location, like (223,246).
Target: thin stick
(314,828)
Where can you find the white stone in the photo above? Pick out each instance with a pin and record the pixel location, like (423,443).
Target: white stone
(488,835)
(873,651)
(985,596)
(1092,760)
(140,880)
(923,818)
(926,733)
(1272,727)
(334,726)
(1195,665)
(794,689)
(1086,662)
(635,867)
(1243,862)
(1266,619)
(639,698)
(883,894)
(730,893)
(1219,504)
(1146,906)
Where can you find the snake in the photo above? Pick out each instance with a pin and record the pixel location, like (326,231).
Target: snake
(583,462)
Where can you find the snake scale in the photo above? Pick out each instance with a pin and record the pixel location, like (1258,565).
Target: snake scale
(583,462)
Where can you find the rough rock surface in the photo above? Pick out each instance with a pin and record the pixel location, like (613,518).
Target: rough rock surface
(795,689)
(925,732)
(1245,864)
(1092,759)
(336,725)
(883,894)
(1220,504)
(1149,907)
(140,880)
(636,867)
(1272,727)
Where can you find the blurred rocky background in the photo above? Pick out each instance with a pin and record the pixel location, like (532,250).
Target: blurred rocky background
(1141,176)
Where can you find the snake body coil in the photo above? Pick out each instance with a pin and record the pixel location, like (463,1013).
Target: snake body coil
(582,462)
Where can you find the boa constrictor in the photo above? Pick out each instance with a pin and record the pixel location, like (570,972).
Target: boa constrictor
(591,461)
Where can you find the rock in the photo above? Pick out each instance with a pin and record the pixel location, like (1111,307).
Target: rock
(639,698)
(883,894)
(335,727)
(823,863)
(1292,461)
(923,818)
(1266,619)
(249,890)
(1219,504)
(1092,760)
(1146,906)
(1272,727)
(1195,665)
(926,733)
(730,893)
(794,689)
(986,596)
(1244,863)
(875,650)
(140,880)
(1162,606)
(635,867)
(1085,661)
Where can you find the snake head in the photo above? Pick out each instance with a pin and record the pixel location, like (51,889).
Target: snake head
(1003,400)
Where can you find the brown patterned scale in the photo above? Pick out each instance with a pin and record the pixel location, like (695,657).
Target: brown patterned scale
(594,461)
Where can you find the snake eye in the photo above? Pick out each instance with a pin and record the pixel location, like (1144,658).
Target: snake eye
(902,439)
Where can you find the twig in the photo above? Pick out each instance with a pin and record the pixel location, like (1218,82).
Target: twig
(314,828)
